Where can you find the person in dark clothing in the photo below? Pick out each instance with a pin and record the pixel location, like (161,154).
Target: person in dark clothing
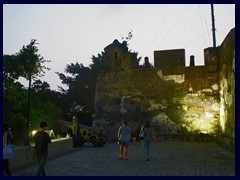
(42,140)
(7,139)
(64,132)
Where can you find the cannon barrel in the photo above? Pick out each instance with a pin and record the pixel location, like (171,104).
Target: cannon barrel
(65,123)
(70,124)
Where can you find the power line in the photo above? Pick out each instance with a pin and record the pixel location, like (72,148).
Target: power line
(201,22)
(205,20)
(158,29)
(193,24)
(197,38)
(164,37)
(185,25)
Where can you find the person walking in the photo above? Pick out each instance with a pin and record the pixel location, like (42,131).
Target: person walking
(7,140)
(148,136)
(124,135)
(42,139)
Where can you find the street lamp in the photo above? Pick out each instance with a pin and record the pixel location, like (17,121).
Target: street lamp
(28,105)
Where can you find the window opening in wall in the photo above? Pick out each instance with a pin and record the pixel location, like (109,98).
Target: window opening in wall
(116,55)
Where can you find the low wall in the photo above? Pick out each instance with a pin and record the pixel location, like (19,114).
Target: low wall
(25,156)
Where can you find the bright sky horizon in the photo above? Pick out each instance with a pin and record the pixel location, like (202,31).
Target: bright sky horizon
(70,33)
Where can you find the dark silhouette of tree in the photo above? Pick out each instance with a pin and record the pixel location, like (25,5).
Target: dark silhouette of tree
(11,70)
(40,86)
(129,36)
(126,41)
(98,62)
(81,83)
(79,95)
(125,44)
(27,63)
(30,62)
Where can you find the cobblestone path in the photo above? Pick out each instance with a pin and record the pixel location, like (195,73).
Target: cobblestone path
(168,158)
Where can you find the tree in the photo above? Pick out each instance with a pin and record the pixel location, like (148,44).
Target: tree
(98,62)
(128,37)
(125,44)
(31,63)
(79,94)
(26,63)
(81,82)
(14,108)
(10,69)
(126,40)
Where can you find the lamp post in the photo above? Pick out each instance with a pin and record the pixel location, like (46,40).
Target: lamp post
(28,104)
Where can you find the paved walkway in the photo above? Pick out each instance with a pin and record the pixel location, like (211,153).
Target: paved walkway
(168,158)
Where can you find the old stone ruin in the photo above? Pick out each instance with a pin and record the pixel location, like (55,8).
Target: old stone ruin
(191,102)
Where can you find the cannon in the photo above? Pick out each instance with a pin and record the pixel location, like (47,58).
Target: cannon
(82,133)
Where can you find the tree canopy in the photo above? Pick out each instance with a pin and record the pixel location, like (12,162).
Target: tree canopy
(27,63)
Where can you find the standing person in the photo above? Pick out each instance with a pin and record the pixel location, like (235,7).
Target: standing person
(148,136)
(7,139)
(74,125)
(64,131)
(124,135)
(42,140)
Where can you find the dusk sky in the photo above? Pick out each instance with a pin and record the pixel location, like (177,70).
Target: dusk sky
(70,33)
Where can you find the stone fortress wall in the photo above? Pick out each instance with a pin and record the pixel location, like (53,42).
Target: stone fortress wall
(176,99)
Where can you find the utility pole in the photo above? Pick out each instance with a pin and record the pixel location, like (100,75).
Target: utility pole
(213,26)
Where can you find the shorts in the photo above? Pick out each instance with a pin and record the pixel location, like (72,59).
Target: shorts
(125,143)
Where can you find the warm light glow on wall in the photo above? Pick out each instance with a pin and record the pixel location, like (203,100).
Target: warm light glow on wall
(222,115)
(201,114)
(203,124)
(208,114)
(223,93)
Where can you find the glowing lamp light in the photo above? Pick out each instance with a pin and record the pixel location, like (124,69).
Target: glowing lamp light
(34,132)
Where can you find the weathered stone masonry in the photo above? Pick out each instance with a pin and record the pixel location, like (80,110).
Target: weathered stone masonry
(178,100)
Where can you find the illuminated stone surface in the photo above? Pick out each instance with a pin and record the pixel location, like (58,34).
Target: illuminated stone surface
(190,100)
